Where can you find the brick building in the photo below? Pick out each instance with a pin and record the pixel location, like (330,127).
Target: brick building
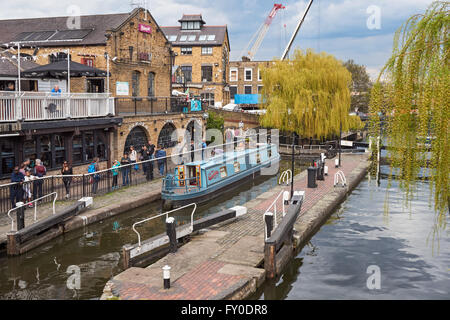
(140,66)
(202,58)
(245,77)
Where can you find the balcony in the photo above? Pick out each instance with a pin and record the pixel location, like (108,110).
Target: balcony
(38,106)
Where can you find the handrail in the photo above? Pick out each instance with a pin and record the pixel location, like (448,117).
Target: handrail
(274,205)
(340,175)
(167,215)
(35,207)
(286,177)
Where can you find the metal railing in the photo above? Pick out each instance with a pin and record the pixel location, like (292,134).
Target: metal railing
(35,202)
(340,175)
(285,195)
(32,106)
(167,216)
(151,105)
(285,177)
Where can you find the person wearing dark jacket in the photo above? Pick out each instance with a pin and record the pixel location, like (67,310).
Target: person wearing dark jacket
(67,171)
(16,190)
(147,165)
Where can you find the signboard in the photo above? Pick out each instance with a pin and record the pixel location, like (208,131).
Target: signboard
(247,98)
(196,105)
(145,28)
(122,89)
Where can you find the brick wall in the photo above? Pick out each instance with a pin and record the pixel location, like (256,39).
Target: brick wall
(241,66)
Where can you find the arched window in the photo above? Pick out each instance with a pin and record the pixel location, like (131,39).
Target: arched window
(165,136)
(151,84)
(194,128)
(135,83)
(137,138)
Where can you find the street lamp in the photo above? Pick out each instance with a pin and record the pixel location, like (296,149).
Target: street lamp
(293,163)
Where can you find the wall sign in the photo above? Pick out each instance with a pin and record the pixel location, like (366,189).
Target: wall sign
(145,28)
(122,88)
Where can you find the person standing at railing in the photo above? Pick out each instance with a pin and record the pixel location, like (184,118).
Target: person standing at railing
(95,178)
(115,172)
(27,188)
(160,155)
(125,161)
(39,172)
(56,91)
(147,165)
(16,190)
(134,158)
(10,87)
(67,171)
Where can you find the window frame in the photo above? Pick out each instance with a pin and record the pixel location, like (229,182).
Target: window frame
(237,74)
(203,74)
(251,89)
(184,53)
(245,74)
(207,53)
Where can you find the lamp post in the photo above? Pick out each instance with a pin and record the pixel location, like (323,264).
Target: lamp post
(293,164)
(340,142)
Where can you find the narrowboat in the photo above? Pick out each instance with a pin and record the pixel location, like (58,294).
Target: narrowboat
(202,181)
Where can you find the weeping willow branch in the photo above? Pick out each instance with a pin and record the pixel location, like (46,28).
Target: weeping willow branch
(413,98)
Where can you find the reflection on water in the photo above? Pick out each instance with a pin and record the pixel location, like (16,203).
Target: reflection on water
(334,265)
(96,250)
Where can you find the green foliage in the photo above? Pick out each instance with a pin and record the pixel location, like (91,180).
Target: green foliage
(214,121)
(308,95)
(414,99)
(360,86)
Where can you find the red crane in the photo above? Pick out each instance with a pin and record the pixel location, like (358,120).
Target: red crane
(261,33)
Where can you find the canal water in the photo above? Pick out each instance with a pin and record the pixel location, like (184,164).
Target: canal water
(360,241)
(44,272)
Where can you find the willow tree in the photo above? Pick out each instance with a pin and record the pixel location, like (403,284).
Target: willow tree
(412,93)
(308,94)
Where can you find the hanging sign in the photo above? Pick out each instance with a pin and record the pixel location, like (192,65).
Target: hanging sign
(145,28)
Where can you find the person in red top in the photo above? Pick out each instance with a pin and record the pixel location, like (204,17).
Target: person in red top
(39,172)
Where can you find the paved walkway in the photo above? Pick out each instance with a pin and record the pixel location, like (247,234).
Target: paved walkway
(225,261)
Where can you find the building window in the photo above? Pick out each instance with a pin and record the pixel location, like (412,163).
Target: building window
(87,62)
(60,150)
(186,51)
(183,38)
(247,89)
(187,72)
(101,146)
(45,153)
(197,25)
(233,74)
(88,146)
(248,74)
(202,38)
(211,37)
(135,82)
(151,84)
(207,73)
(233,92)
(173,38)
(192,38)
(29,150)
(260,89)
(7,156)
(207,50)
(259,75)
(77,149)
(208,99)
(165,138)
(60,56)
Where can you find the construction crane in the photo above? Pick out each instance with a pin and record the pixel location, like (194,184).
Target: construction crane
(261,33)
(288,48)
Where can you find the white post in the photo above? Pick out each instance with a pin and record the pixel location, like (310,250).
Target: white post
(107,74)
(19,100)
(68,84)
(166,277)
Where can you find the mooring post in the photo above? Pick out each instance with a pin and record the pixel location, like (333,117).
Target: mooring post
(172,234)
(126,258)
(20,213)
(268,218)
(166,277)
(270,263)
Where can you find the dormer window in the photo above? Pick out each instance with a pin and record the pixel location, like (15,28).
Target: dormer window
(191,22)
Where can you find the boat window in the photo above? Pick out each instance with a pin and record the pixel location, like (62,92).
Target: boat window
(269,152)
(258,158)
(223,172)
(192,176)
(237,167)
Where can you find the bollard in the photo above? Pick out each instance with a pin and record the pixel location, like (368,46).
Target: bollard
(325,170)
(336,163)
(312,174)
(166,277)
(268,218)
(20,213)
(172,234)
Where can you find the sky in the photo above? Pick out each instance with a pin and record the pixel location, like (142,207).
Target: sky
(361,30)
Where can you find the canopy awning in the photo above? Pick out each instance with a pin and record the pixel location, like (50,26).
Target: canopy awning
(59,70)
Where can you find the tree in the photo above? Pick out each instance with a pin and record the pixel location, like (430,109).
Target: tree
(215,121)
(308,95)
(415,104)
(360,87)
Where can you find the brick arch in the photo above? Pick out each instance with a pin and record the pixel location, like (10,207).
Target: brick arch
(164,135)
(137,136)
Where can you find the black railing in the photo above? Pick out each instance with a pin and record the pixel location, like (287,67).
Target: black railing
(151,105)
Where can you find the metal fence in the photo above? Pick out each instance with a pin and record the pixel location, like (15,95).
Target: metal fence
(32,106)
(150,105)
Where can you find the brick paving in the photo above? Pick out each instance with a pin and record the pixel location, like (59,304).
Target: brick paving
(204,281)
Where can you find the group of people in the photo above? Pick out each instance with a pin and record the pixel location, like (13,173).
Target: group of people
(130,159)
(26,182)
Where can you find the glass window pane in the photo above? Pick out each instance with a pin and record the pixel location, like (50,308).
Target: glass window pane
(60,150)
(101,148)
(77,149)
(7,156)
(29,151)
(89,146)
(46,150)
